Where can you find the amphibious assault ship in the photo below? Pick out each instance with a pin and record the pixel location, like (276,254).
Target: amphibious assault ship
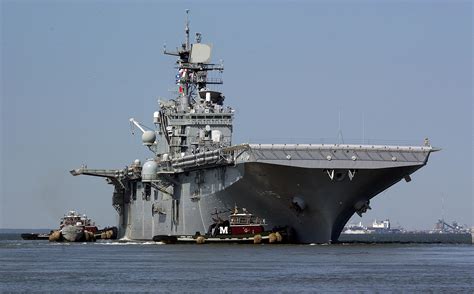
(312,189)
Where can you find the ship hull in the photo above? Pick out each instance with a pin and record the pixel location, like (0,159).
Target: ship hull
(313,204)
(196,171)
(72,233)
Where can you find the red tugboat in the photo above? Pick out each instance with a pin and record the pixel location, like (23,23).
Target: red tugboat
(239,223)
(75,219)
(74,227)
(240,227)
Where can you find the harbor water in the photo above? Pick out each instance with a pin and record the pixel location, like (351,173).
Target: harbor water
(115,266)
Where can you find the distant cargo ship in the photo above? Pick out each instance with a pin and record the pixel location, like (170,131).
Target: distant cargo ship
(382,227)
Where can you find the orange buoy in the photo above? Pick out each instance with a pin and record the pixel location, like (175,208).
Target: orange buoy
(257,239)
(55,236)
(272,238)
(279,237)
(200,240)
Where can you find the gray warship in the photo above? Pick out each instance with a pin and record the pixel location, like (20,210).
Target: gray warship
(312,189)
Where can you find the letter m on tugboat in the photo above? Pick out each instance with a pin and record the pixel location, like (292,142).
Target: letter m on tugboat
(223,230)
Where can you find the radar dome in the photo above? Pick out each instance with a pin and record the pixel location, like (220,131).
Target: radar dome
(148,138)
(149,171)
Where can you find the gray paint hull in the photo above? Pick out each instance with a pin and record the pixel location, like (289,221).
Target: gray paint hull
(266,190)
(72,233)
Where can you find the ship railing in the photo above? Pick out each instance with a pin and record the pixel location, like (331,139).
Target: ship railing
(338,141)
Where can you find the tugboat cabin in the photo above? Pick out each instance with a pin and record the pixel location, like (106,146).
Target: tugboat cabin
(245,223)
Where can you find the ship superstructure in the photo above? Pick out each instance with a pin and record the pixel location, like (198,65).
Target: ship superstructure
(311,188)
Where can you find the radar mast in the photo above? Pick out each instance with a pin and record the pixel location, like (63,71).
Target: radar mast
(193,65)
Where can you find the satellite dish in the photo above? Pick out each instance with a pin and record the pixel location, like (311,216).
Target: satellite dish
(201,53)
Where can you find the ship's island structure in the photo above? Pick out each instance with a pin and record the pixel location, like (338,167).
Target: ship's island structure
(312,190)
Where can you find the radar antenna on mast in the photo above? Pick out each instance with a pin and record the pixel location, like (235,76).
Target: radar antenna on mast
(187,29)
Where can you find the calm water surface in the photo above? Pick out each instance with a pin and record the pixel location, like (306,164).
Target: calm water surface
(28,266)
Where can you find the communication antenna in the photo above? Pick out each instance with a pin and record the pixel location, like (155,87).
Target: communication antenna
(339,132)
(442,207)
(187,29)
(363,128)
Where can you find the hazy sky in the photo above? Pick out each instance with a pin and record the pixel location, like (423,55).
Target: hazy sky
(74,72)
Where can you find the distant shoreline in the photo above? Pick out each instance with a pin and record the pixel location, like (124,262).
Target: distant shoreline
(444,238)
